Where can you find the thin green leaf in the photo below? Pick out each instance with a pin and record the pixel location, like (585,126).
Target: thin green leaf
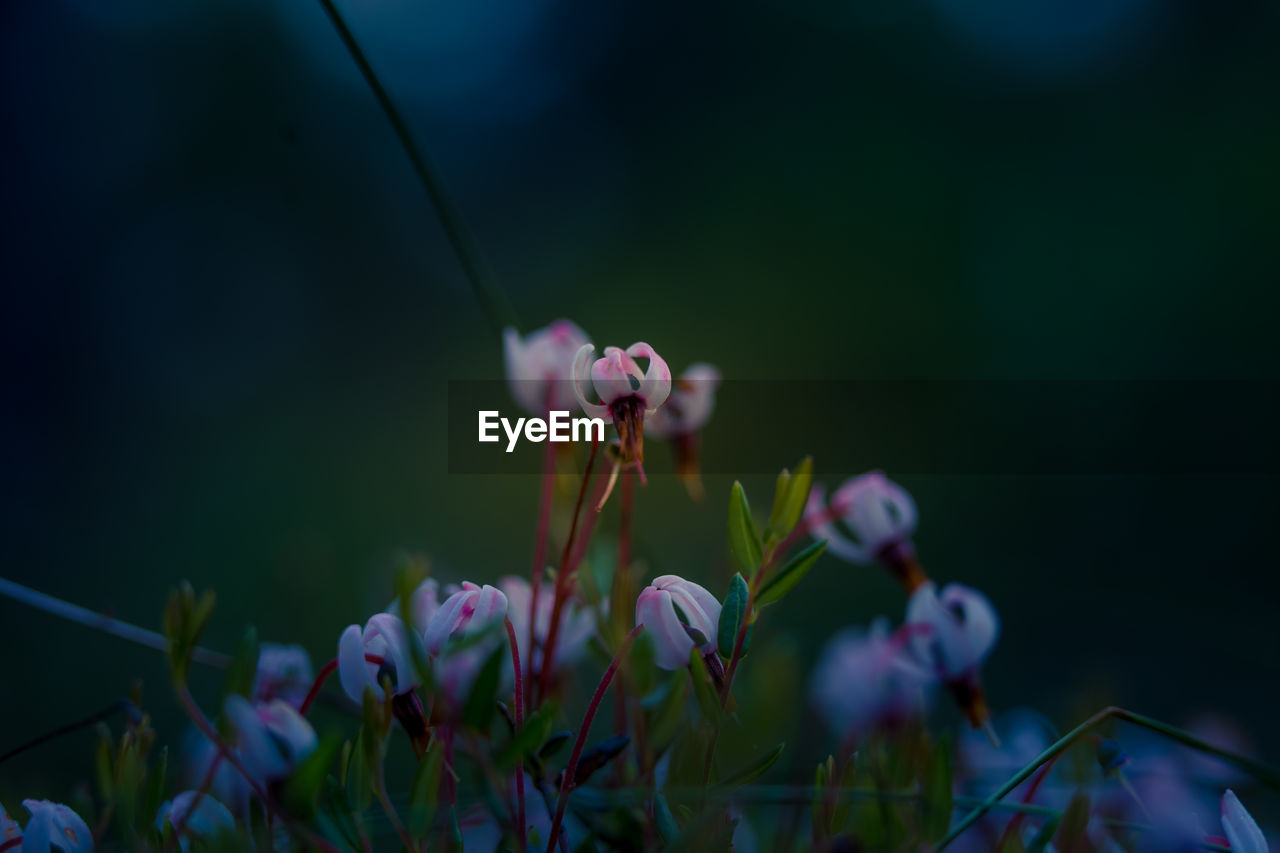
(744,539)
(480,706)
(1040,841)
(784,579)
(425,791)
(666,821)
(789,503)
(752,771)
(731,614)
(1072,835)
(703,690)
(526,741)
(935,806)
(302,792)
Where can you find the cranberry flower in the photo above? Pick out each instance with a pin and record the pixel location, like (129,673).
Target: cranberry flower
(208,822)
(865,680)
(679,615)
(957,629)
(284,672)
(538,367)
(685,413)
(470,611)
(423,604)
(55,825)
(273,737)
(878,512)
(380,651)
(577,624)
(1241,829)
(627,394)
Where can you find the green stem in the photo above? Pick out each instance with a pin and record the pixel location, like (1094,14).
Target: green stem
(495,305)
(1264,774)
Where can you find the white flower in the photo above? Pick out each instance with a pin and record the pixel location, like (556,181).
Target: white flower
(381,649)
(470,611)
(659,608)
(577,624)
(1241,829)
(880,513)
(539,367)
(689,406)
(55,825)
(864,680)
(959,629)
(284,672)
(209,820)
(273,737)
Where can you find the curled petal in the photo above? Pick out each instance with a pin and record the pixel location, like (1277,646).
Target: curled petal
(962,624)
(613,375)
(1241,829)
(698,605)
(261,756)
(352,670)
(656,384)
(671,642)
(582,384)
(54,825)
(837,542)
(396,649)
(209,820)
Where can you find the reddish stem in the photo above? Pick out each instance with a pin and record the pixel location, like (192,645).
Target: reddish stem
(1014,822)
(553,630)
(518,700)
(540,552)
(326,671)
(205,784)
(571,769)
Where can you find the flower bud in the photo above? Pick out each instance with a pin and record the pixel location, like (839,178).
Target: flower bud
(469,611)
(284,672)
(679,615)
(383,639)
(864,680)
(577,624)
(881,516)
(686,411)
(208,822)
(627,395)
(955,631)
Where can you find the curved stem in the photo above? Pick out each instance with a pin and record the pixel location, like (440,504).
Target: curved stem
(1264,774)
(323,676)
(571,769)
(494,304)
(207,782)
(518,701)
(107,712)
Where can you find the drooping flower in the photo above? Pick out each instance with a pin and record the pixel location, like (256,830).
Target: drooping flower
(470,611)
(686,411)
(881,516)
(679,616)
(10,831)
(539,367)
(273,738)
(227,785)
(1240,827)
(378,653)
(209,821)
(284,672)
(577,624)
(957,629)
(865,680)
(424,601)
(627,394)
(55,825)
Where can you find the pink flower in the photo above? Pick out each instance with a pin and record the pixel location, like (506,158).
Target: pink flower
(864,680)
(577,624)
(273,737)
(284,672)
(539,367)
(1241,829)
(626,393)
(879,513)
(385,640)
(659,609)
(55,825)
(469,611)
(962,628)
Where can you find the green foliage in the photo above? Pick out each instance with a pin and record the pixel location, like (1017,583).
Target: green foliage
(1072,835)
(526,742)
(300,795)
(744,539)
(789,498)
(935,803)
(731,614)
(752,771)
(783,580)
(703,690)
(185,617)
(478,711)
(425,791)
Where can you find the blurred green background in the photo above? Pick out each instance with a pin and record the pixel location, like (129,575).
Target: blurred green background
(229,314)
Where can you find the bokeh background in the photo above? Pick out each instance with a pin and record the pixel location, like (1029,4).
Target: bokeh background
(230,315)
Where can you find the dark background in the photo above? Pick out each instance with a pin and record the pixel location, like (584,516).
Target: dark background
(229,314)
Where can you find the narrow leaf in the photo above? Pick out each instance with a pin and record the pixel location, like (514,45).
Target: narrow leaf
(1072,835)
(301,792)
(527,740)
(424,792)
(731,613)
(935,806)
(784,579)
(480,707)
(703,690)
(752,771)
(666,821)
(744,539)
(788,511)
